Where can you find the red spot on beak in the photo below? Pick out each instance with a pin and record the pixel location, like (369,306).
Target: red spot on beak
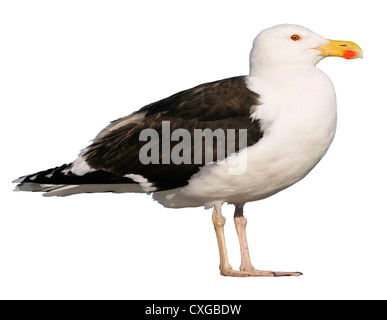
(349,54)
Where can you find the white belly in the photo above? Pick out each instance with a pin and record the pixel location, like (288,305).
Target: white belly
(299,121)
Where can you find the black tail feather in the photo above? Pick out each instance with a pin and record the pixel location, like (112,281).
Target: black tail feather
(63,176)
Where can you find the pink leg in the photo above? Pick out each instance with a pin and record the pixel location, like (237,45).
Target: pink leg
(246,269)
(246,266)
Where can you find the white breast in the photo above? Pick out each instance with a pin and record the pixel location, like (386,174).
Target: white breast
(298,114)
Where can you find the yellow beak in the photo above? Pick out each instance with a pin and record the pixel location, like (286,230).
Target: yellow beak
(344,49)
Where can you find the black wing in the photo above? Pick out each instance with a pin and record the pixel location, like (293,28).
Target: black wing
(223,104)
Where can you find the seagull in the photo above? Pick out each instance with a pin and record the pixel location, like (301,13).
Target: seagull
(235,140)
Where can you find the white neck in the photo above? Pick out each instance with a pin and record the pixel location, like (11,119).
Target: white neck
(262,64)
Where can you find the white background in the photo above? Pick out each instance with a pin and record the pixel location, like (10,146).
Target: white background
(70,67)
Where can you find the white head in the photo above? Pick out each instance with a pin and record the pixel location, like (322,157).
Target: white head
(287,45)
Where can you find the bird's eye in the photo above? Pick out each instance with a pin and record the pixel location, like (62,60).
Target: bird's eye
(295,37)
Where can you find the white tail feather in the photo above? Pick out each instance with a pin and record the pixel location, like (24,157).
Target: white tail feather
(67,190)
